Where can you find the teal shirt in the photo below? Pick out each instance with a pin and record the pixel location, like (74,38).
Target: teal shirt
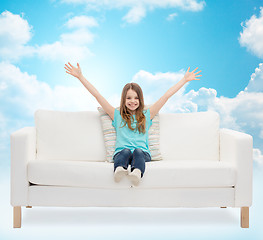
(126,138)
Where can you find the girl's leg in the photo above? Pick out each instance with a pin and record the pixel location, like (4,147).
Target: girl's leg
(139,157)
(122,158)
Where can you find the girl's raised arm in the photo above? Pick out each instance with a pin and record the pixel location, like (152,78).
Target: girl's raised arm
(76,72)
(189,76)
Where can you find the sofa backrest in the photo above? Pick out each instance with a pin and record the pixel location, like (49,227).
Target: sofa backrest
(78,136)
(69,136)
(189,136)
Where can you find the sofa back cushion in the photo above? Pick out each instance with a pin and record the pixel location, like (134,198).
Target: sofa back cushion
(69,136)
(189,136)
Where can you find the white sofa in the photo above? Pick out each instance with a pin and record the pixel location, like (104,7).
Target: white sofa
(61,161)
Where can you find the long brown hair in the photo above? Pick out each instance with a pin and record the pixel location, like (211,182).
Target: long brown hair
(126,115)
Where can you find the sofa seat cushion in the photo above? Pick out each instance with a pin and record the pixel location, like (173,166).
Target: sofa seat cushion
(188,173)
(158,174)
(73,174)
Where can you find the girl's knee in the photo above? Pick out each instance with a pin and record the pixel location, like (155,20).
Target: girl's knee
(126,150)
(138,150)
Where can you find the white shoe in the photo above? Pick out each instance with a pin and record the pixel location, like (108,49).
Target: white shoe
(135,176)
(119,173)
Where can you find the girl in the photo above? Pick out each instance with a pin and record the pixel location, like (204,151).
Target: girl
(131,122)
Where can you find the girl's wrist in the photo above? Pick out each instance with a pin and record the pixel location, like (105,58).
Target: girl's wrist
(80,77)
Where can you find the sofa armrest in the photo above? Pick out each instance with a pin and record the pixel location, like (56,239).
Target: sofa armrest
(23,150)
(237,147)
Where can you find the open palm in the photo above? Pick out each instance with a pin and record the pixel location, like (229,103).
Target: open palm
(76,72)
(189,76)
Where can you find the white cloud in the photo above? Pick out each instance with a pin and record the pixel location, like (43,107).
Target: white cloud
(15,33)
(159,83)
(81,22)
(257,156)
(3,133)
(139,8)
(149,77)
(171,16)
(3,85)
(23,93)
(79,37)
(72,46)
(135,14)
(256,81)
(252,35)
(21,33)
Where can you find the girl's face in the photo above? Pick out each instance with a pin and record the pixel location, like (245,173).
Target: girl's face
(132,101)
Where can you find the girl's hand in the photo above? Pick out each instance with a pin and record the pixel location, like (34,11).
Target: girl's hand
(189,76)
(76,72)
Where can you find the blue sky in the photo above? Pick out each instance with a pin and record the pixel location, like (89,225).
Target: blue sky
(116,42)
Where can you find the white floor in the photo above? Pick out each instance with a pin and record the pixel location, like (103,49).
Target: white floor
(131,223)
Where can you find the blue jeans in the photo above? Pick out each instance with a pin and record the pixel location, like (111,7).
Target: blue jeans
(137,159)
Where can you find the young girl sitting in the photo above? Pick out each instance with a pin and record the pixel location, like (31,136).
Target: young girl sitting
(132,123)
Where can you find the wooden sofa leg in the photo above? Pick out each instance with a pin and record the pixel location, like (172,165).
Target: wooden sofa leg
(245,217)
(17,217)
